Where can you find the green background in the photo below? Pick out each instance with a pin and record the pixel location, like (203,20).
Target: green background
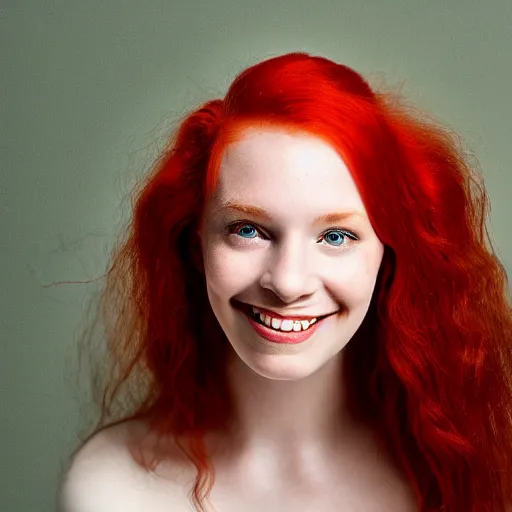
(89,91)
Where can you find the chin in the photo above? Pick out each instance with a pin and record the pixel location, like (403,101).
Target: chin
(289,367)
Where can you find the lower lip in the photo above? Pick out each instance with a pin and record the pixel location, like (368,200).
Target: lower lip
(291,337)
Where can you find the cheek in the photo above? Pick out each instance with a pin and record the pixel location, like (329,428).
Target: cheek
(228,272)
(352,280)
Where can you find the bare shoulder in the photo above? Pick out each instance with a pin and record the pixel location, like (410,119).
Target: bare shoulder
(98,473)
(104,476)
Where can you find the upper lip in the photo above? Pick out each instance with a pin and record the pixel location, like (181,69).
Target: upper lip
(284,314)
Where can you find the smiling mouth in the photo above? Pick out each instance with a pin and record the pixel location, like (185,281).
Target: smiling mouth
(282,330)
(247,309)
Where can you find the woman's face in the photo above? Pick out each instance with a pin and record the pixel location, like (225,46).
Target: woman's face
(286,231)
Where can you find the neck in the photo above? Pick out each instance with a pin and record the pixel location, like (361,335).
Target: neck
(289,416)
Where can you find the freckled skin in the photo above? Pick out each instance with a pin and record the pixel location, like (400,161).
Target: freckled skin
(296,177)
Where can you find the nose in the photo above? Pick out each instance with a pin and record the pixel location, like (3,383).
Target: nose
(290,273)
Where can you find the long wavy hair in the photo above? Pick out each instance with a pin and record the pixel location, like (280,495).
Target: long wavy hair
(430,367)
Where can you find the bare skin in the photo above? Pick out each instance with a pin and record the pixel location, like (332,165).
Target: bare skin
(104,477)
(294,447)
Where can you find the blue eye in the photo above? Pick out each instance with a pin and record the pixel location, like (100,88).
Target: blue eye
(337,239)
(246,231)
(333,237)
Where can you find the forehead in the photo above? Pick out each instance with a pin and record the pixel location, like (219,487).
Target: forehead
(263,146)
(281,170)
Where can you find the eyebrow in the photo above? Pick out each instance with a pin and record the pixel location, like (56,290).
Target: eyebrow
(328,218)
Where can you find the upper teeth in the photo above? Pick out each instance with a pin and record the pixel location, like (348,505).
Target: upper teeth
(283,324)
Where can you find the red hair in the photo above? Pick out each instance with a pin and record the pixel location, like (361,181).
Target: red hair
(432,361)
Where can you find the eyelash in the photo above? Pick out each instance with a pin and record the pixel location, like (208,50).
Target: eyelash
(231,228)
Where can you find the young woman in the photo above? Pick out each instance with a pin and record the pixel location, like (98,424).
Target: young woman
(306,314)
